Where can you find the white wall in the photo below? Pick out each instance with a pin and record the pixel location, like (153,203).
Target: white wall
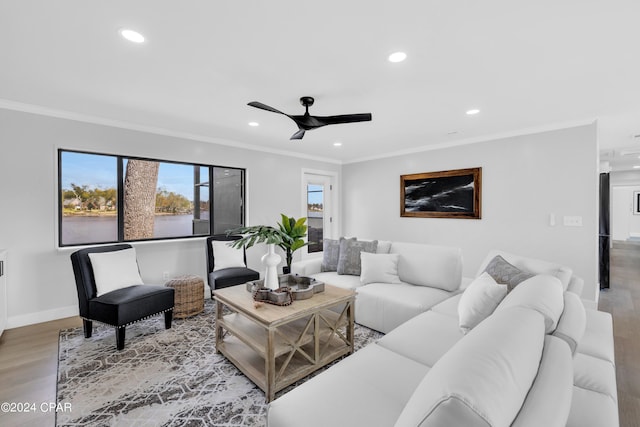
(624,222)
(524,179)
(40,279)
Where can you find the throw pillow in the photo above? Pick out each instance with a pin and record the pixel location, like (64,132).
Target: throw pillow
(349,259)
(115,270)
(505,273)
(479,300)
(379,268)
(330,254)
(225,256)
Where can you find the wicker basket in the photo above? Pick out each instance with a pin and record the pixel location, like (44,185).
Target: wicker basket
(189,296)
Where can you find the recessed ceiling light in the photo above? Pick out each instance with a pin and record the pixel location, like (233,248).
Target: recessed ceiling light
(254,124)
(397,57)
(131,35)
(472,111)
(337,144)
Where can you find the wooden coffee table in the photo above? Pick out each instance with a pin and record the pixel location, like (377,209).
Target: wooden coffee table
(277,345)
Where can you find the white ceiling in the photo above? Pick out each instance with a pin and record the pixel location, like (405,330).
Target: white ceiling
(526,65)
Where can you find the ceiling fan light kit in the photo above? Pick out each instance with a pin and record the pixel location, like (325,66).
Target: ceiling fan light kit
(307,122)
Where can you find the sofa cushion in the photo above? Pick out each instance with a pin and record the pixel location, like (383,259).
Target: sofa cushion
(335,279)
(382,268)
(592,373)
(505,273)
(479,300)
(549,399)
(384,306)
(531,265)
(349,259)
(589,408)
(428,265)
(573,321)
(541,293)
(346,394)
(485,377)
(424,338)
(448,306)
(114,270)
(597,340)
(330,254)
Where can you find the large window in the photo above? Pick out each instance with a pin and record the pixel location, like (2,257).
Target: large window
(109,198)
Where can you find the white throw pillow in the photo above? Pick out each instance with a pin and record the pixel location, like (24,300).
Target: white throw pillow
(225,256)
(115,270)
(479,300)
(379,268)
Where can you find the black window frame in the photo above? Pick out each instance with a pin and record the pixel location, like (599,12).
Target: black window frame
(120,197)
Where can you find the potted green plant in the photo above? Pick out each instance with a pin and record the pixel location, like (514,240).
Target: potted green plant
(263,234)
(296,230)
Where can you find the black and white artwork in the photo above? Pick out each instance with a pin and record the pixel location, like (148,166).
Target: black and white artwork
(446,194)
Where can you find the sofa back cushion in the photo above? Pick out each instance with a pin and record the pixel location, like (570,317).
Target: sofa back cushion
(429,265)
(541,293)
(484,378)
(573,321)
(531,265)
(549,400)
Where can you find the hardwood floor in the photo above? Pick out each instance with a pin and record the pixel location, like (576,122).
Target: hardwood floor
(28,355)
(28,370)
(623,302)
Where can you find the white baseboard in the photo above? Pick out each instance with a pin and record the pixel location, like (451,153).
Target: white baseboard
(42,316)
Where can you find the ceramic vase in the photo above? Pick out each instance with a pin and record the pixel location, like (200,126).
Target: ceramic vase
(270,260)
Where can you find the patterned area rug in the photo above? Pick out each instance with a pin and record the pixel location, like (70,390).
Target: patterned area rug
(162,377)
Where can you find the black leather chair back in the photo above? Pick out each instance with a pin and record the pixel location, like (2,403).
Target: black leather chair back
(222,237)
(83,272)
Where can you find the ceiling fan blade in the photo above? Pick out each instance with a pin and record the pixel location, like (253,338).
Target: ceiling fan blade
(262,106)
(344,118)
(298,135)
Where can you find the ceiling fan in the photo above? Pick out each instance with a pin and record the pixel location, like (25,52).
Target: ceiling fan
(308,122)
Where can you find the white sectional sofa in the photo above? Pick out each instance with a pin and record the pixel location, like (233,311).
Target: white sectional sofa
(539,359)
(426,275)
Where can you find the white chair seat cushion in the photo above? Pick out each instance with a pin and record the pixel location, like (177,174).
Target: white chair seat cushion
(425,338)
(343,394)
(485,377)
(479,300)
(225,256)
(542,293)
(384,306)
(115,270)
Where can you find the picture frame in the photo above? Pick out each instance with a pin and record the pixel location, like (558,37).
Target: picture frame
(444,194)
(636,202)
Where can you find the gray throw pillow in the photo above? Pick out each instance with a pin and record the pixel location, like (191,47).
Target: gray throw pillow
(330,253)
(349,259)
(505,273)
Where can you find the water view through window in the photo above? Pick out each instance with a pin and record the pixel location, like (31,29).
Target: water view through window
(315,217)
(106,198)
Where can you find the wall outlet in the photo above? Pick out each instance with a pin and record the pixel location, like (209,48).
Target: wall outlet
(572,221)
(165,275)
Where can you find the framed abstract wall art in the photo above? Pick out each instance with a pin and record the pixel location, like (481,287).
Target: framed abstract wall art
(445,194)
